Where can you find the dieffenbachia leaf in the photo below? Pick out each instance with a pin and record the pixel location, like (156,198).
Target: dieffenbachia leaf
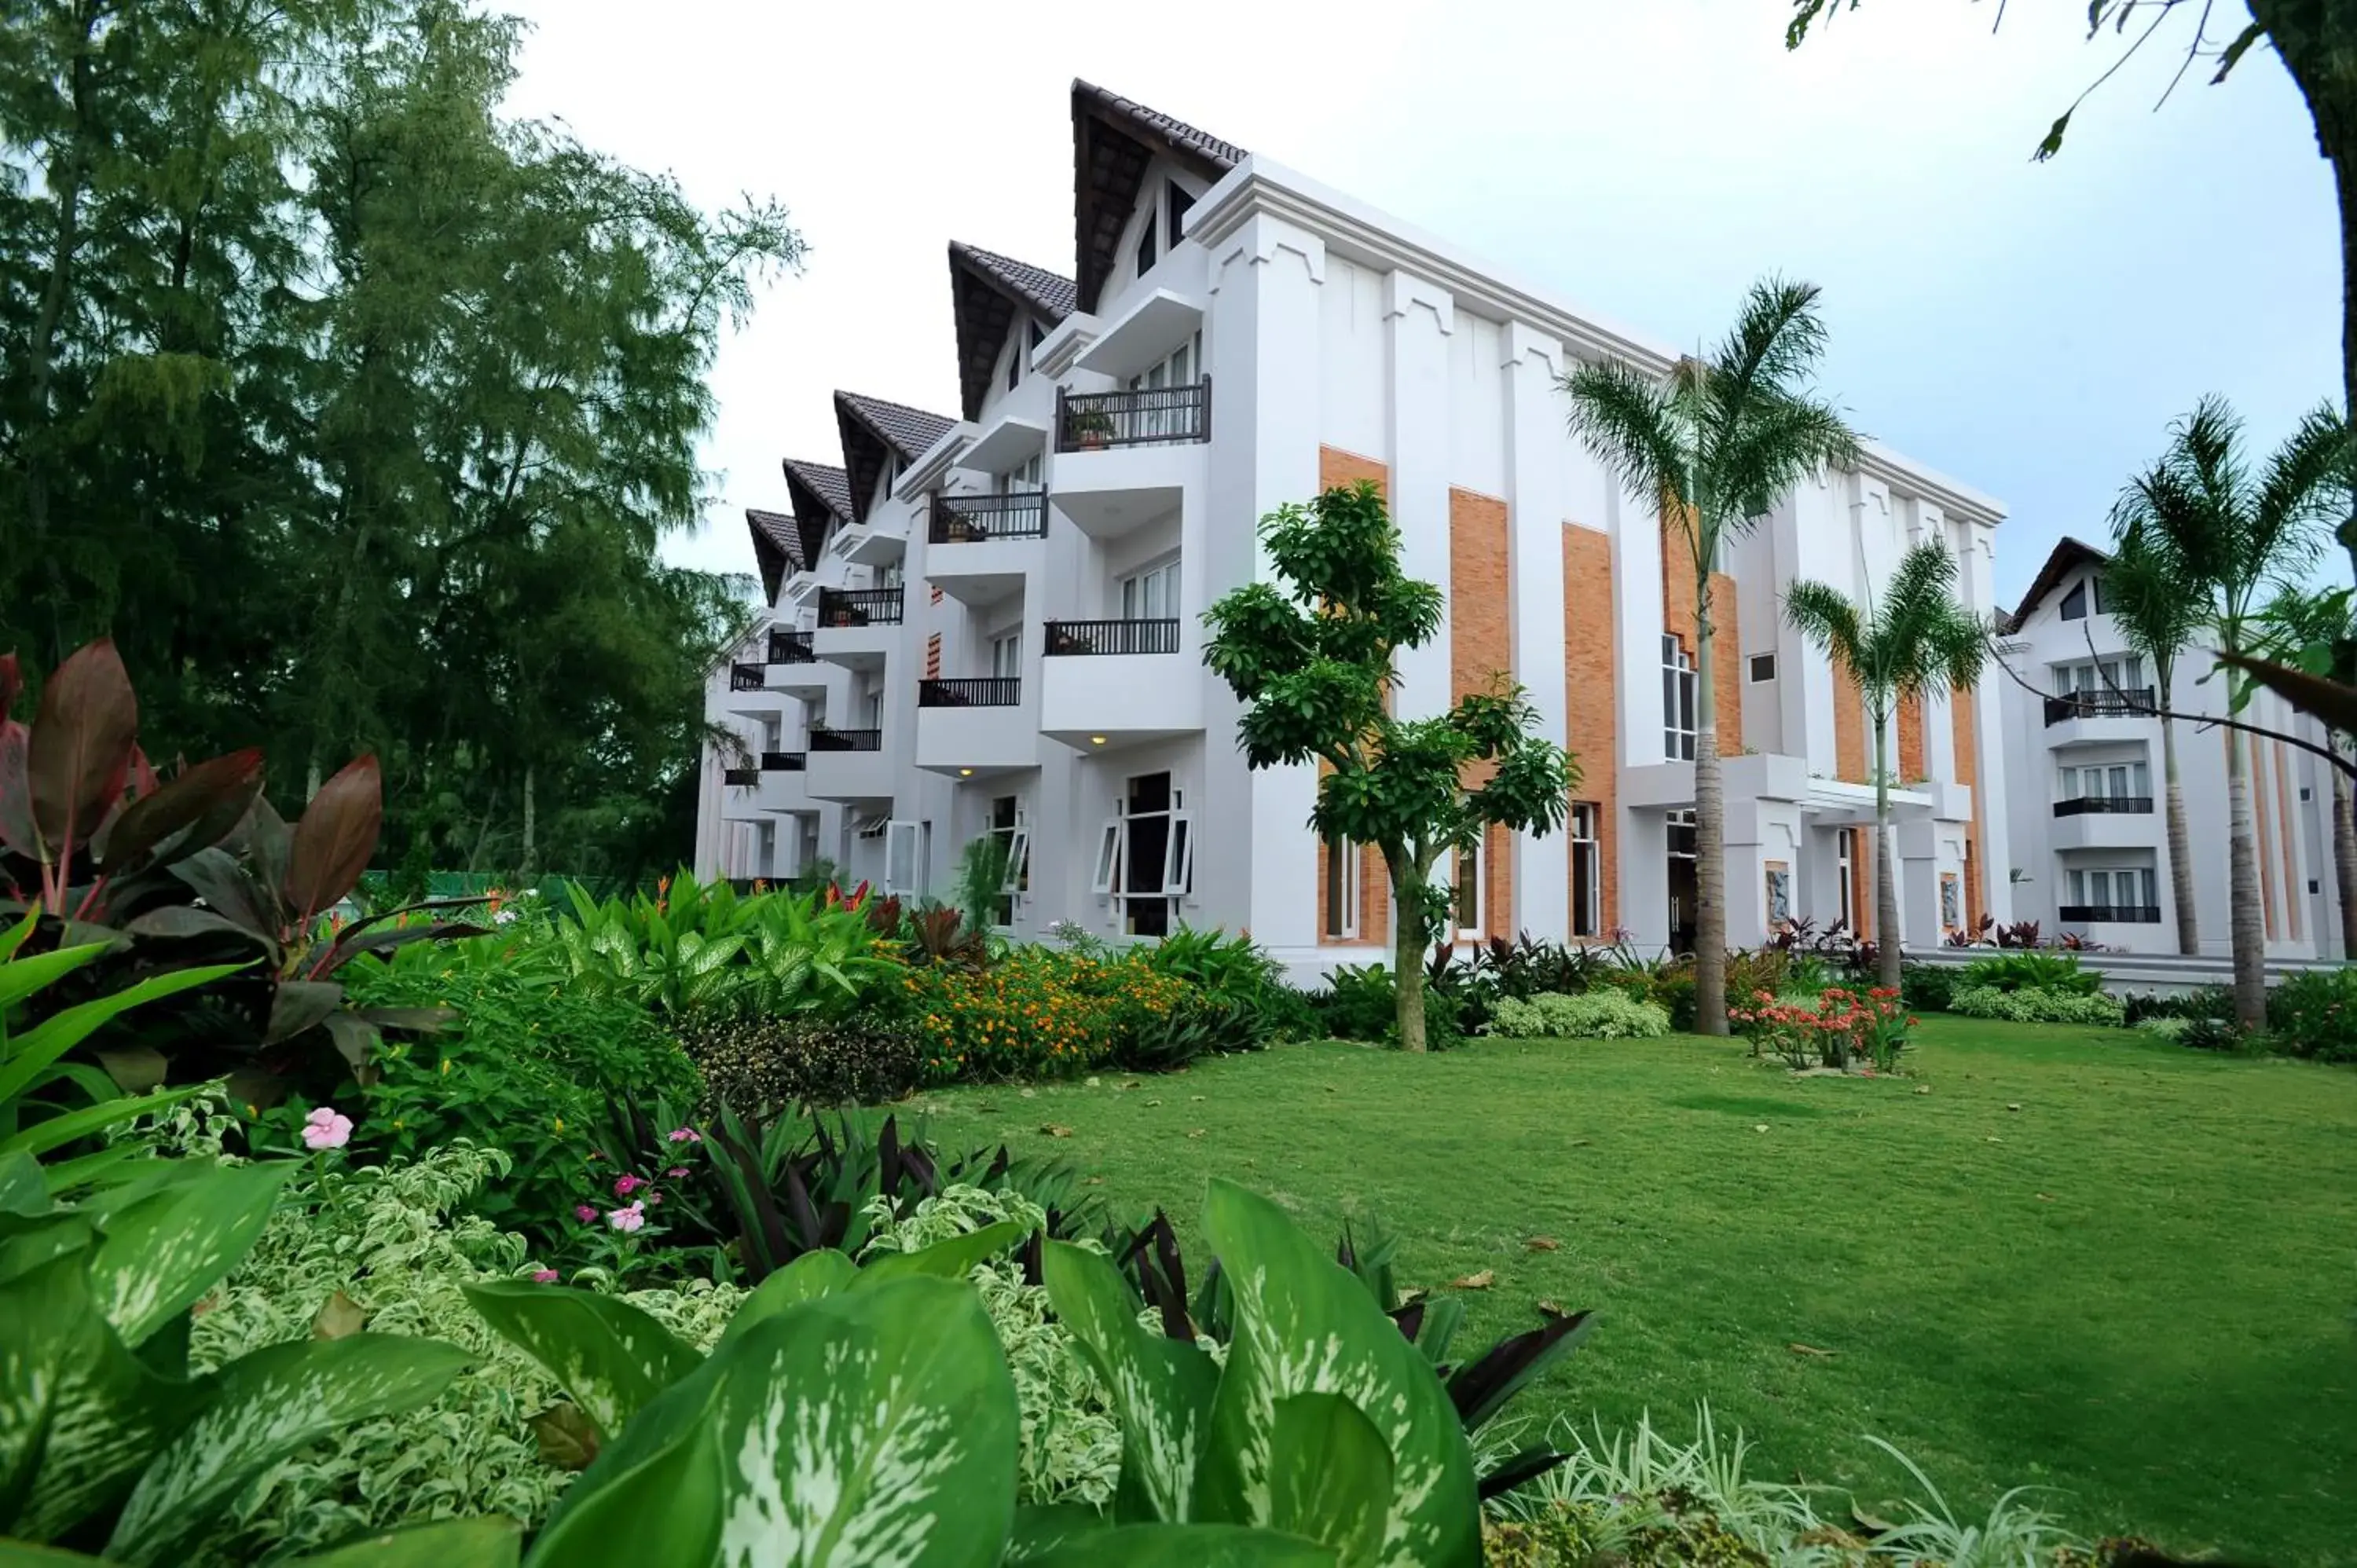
(820,1272)
(1162,1388)
(1306,1325)
(1185,1546)
(875,1425)
(165,1250)
(611,1358)
(951,1259)
(24,1191)
(266,1406)
(1329,1477)
(450,1543)
(80,1415)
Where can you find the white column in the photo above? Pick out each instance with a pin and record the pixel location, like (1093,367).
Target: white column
(1979,595)
(1255,849)
(1636,611)
(1418,318)
(1536,510)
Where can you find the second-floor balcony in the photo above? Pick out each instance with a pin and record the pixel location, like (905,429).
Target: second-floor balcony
(823,738)
(1125,459)
(740,778)
(978,727)
(783,761)
(975,519)
(790,647)
(1109,683)
(2109,805)
(1111,639)
(857,627)
(859,607)
(849,765)
(1146,416)
(984,692)
(748,678)
(2128,702)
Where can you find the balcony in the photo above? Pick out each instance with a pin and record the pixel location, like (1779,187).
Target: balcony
(2128,704)
(848,764)
(875,541)
(823,739)
(1126,458)
(975,728)
(781,762)
(2121,805)
(790,647)
(983,545)
(748,678)
(1105,684)
(740,778)
(2109,913)
(857,627)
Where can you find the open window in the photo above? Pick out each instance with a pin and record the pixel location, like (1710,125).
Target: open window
(1179,857)
(1108,856)
(1468,893)
(903,858)
(1341,889)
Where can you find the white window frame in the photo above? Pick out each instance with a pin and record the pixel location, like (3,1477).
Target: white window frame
(1179,854)
(903,838)
(1343,867)
(1468,923)
(1680,697)
(1159,580)
(1007,655)
(1112,839)
(1585,826)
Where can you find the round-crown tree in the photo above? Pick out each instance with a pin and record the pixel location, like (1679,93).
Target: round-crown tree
(1312,654)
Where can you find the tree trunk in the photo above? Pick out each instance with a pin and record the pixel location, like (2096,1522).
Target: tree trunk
(1886,873)
(2344,185)
(2344,862)
(1407,951)
(2180,844)
(2242,891)
(530,822)
(1710,829)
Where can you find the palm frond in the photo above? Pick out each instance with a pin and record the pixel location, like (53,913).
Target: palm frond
(2154,597)
(1775,342)
(2306,482)
(1781,441)
(1627,419)
(1826,618)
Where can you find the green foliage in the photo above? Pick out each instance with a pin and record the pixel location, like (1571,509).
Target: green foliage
(2029,971)
(2038,1004)
(1312,656)
(1233,968)
(1928,987)
(1039,1013)
(775,1062)
(2314,1014)
(981,881)
(1360,1001)
(1602,1014)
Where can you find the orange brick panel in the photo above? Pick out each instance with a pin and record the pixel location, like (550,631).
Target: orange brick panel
(1589,653)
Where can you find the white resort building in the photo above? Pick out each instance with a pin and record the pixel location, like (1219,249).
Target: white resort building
(989,623)
(2084,778)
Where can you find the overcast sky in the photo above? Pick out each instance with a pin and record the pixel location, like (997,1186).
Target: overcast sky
(2029,330)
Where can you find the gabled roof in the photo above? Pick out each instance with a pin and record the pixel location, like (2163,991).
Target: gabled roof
(820,493)
(871,428)
(988,293)
(777,546)
(2069,555)
(1113,140)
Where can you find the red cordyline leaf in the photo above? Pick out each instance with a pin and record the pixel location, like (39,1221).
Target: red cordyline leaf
(335,839)
(12,681)
(80,751)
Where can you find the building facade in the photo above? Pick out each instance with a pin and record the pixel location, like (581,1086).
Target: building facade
(990,623)
(2084,777)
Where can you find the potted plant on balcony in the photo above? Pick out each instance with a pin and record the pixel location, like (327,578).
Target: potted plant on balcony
(1093,428)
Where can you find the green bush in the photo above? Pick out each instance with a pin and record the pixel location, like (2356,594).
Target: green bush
(2039,1004)
(1928,987)
(2030,970)
(1599,1015)
(768,1062)
(1362,1003)
(2203,1001)
(1200,1025)
(2315,1015)
(1237,970)
(526,1066)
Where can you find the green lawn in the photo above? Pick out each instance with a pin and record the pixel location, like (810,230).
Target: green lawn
(2121,1270)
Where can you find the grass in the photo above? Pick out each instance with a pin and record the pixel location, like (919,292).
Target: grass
(2121,1270)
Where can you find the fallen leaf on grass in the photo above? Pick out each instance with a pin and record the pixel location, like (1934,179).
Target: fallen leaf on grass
(1760,1127)
(2045,1198)
(2013,1108)
(1093,1181)
(1993,1138)
(1056,1129)
(1196,1133)
(1154,1102)
(1552,1309)
(1331,1090)
(1131,1084)
(1481,1280)
(1194,1097)
(1030,1094)
(1092,1080)
(1543,1244)
(1800,1349)
(1922,1089)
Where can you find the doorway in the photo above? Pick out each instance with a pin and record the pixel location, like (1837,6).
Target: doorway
(1682,889)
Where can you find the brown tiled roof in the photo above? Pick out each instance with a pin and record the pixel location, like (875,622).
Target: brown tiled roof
(2068,556)
(820,492)
(872,426)
(777,545)
(1113,141)
(989,294)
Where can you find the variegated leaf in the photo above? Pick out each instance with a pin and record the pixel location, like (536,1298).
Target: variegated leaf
(168,1248)
(23,1189)
(265,1406)
(1304,1325)
(871,1426)
(820,1272)
(450,1543)
(610,1357)
(1162,1388)
(80,1415)
(1329,1477)
(951,1259)
(1185,1546)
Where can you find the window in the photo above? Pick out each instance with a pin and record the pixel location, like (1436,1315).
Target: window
(2107,780)
(2123,891)
(1179,369)
(1466,893)
(1341,888)
(1846,874)
(904,860)
(1007,655)
(2097,678)
(1682,834)
(1013,359)
(2074,603)
(1763,667)
(1586,872)
(1678,701)
(1177,202)
(1024,479)
(871,710)
(1008,826)
(1038,335)
(1151,595)
(1145,248)
(2097,583)
(1146,855)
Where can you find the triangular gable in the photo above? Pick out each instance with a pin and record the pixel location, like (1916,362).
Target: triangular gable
(874,428)
(988,293)
(1114,140)
(820,494)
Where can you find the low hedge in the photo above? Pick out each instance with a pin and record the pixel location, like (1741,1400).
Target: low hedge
(2038,1004)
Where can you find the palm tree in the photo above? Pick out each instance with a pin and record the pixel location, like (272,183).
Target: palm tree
(2148,595)
(2232,534)
(2315,624)
(1914,640)
(1715,444)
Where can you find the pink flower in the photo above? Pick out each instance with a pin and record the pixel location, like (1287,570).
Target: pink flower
(676,1172)
(626,1185)
(685,1135)
(584,1213)
(627,1219)
(653,1196)
(325,1129)
(544,1276)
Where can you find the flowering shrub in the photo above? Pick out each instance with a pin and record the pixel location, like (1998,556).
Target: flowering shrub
(1041,1014)
(2039,1004)
(1601,1014)
(775,1062)
(2315,1015)
(1844,1027)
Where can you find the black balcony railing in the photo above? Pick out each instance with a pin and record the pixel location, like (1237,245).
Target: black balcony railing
(790,648)
(1075,637)
(2118,805)
(1149,416)
(2127,703)
(740,778)
(989,691)
(859,607)
(781,762)
(2115,914)
(967,520)
(747,677)
(823,739)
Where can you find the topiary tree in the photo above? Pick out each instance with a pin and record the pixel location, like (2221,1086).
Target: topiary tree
(1311,655)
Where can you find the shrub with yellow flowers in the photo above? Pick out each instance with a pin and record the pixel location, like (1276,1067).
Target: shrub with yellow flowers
(1039,1013)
